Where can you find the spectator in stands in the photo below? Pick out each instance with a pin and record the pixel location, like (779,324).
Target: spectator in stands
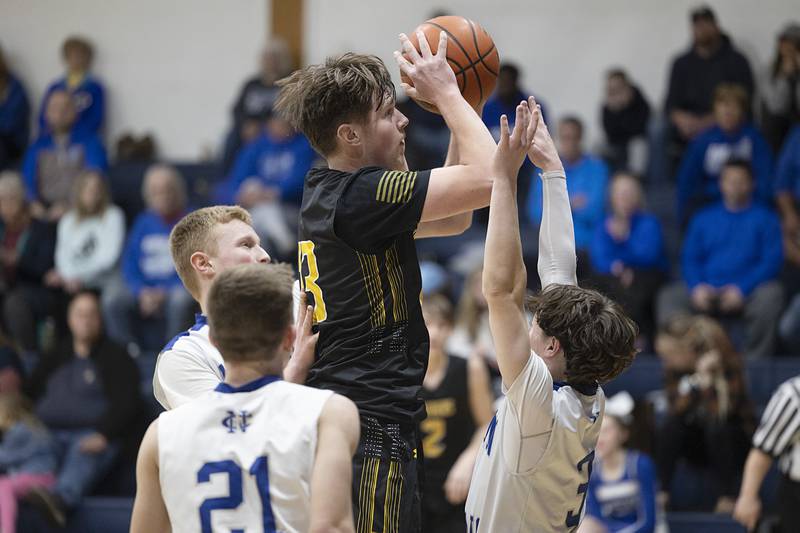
(623,484)
(787,185)
(459,402)
(588,184)
(777,438)
(780,88)
(11,370)
(89,238)
(626,114)
(267,180)
(256,98)
(711,60)
(709,417)
(150,286)
(731,137)
(471,331)
(27,246)
(86,91)
(628,255)
(505,99)
(87,393)
(14,116)
(731,259)
(54,161)
(27,457)
(427,136)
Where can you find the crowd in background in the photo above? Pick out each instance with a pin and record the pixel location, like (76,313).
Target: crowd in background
(687,214)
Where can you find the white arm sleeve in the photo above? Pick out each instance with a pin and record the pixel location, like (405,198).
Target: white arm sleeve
(557,262)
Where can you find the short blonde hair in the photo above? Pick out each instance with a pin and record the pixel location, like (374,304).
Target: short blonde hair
(249,310)
(194,233)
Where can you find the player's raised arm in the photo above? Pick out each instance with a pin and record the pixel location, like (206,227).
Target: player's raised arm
(337,438)
(149,512)
(557,262)
(504,276)
(466,186)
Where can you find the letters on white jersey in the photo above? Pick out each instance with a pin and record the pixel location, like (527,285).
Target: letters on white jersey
(532,473)
(241,459)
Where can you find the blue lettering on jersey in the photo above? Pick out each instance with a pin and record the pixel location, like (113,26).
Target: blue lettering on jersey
(489,437)
(474,523)
(574,519)
(236,422)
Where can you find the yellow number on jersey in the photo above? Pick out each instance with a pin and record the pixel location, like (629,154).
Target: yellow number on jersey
(435,430)
(305,251)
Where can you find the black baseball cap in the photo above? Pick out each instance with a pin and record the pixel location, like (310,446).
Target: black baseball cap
(703,13)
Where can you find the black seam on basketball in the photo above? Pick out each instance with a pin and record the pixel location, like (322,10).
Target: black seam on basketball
(462,82)
(487,54)
(464,50)
(477,49)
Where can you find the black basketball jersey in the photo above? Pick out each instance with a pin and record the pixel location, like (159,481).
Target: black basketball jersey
(359,266)
(448,428)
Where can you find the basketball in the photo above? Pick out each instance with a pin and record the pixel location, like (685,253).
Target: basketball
(471,54)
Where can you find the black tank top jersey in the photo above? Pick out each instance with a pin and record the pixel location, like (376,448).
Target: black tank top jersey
(449,426)
(358,265)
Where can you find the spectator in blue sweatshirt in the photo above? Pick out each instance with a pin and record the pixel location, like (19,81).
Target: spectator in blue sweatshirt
(628,254)
(787,186)
(267,180)
(150,287)
(86,91)
(588,182)
(730,137)
(732,255)
(55,160)
(14,114)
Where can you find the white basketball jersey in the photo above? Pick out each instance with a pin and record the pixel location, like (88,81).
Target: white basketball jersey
(532,473)
(187,367)
(240,459)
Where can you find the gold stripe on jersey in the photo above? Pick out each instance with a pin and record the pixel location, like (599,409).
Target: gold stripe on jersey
(395,275)
(372,285)
(396,187)
(394,492)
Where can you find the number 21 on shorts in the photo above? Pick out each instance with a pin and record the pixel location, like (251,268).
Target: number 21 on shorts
(308,282)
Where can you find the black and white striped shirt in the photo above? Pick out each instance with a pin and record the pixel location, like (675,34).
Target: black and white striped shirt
(779,432)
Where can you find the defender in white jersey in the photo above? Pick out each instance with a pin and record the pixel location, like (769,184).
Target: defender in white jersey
(533,470)
(256,454)
(203,244)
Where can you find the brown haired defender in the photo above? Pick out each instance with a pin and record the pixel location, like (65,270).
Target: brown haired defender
(249,310)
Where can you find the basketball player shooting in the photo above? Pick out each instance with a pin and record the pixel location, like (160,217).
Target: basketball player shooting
(357,258)
(533,470)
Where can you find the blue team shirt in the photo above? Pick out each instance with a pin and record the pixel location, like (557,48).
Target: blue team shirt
(643,249)
(89,98)
(146,259)
(629,503)
(787,172)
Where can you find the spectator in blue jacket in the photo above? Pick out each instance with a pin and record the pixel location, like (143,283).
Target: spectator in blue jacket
(588,182)
(86,91)
(732,255)
(628,254)
(267,180)
(731,137)
(14,114)
(787,186)
(150,286)
(55,160)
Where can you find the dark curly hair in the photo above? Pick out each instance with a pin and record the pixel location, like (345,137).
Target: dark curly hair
(595,333)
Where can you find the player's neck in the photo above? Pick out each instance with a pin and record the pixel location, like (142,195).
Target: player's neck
(612,463)
(239,373)
(344,163)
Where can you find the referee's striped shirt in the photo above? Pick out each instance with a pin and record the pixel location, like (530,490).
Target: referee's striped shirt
(779,432)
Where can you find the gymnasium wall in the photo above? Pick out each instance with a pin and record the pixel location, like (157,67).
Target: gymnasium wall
(174,67)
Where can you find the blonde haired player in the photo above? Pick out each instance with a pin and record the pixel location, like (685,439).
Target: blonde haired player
(256,453)
(533,470)
(205,243)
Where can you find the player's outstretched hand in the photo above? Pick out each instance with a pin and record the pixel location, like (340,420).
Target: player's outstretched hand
(543,151)
(514,144)
(430,73)
(305,345)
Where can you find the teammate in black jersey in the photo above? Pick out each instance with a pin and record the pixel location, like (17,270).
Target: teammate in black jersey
(357,259)
(459,402)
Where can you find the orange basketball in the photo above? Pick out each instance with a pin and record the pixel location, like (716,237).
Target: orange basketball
(471,54)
